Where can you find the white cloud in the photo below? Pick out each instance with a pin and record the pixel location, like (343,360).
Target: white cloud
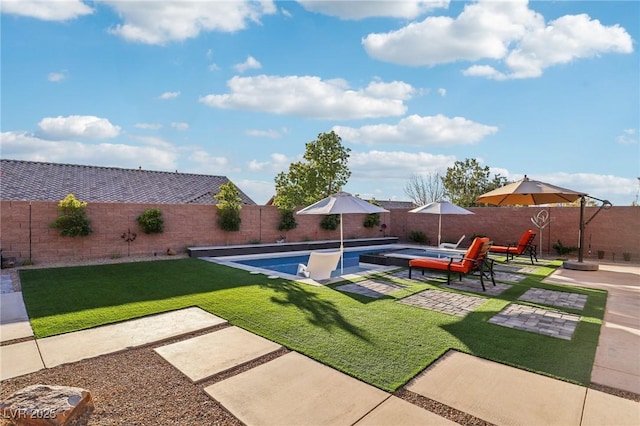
(23,146)
(355,10)
(78,126)
(599,186)
(148,126)
(628,137)
(278,163)
(508,32)
(56,77)
(258,191)
(396,166)
(169,95)
(200,161)
(270,133)
(51,10)
(442,92)
(180,125)
(250,64)
(419,131)
(160,22)
(310,96)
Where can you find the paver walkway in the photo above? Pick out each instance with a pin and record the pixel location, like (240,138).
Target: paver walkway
(537,320)
(371,288)
(561,299)
(444,301)
(617,360)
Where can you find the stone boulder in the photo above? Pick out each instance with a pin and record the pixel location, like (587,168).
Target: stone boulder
(40,405)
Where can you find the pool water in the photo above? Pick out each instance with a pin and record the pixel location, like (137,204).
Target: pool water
(289,264)
(432,253)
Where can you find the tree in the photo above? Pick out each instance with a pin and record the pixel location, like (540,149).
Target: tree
(322,173)
(466,180)
(229,207)
(425,189)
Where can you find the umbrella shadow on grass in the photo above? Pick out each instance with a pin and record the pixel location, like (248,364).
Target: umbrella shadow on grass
(318,311)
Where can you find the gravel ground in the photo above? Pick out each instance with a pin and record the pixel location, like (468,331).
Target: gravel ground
(138,387)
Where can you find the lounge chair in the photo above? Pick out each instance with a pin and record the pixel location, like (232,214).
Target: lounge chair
(321,264)
(524,247)
(452,246)
(475,259)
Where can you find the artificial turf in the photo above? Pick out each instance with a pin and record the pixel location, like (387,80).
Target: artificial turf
(379,341)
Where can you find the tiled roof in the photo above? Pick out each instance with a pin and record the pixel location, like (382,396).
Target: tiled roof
(36,181)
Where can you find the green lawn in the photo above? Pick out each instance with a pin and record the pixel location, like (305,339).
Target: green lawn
(379,341)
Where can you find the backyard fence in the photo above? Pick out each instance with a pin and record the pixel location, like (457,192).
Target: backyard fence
(26,232)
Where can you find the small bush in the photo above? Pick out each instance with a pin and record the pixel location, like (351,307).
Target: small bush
(330,222)
(287,221)
(372,220)
(73,220)
(151,221)
(561,249)
(418,237)
(229,207)
(229,219)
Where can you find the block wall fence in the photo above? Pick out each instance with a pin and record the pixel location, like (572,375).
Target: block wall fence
(26,232)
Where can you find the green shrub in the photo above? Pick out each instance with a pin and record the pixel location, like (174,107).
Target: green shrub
(229,219)
(561,249)
(151,221)
(229,207)
(372,220)
(418,237)
(73,220)
(330,222)
(287,220)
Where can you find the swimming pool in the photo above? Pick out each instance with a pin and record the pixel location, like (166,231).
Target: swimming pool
(289,264)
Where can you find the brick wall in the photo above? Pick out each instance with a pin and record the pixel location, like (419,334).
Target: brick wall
(24,228)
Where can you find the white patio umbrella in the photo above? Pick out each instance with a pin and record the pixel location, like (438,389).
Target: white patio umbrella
(440,208)
(340,203)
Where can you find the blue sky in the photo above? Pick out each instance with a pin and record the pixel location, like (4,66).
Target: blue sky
(546,89)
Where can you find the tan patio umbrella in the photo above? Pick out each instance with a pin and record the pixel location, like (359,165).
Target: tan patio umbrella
(529,192)
(340,203)
(440,208)
(533,192)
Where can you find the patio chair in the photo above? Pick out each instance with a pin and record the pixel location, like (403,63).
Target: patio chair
(475,259)
(452,246)
(524,247)
(321,264)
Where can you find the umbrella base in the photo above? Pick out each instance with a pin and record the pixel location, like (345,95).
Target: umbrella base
(580,266)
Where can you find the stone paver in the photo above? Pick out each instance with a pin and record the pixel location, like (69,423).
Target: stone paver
(371,288)
(83,344)
(6,284)
(475,287)
(395,411)
(14,321)
(537,320)
(617,362)
(204,356)
(527,268)
(18,359)
(604,409)
(560,299)
(417,276)
(295,390)
(15,330)
(445,302)
(500,394)
(12,308)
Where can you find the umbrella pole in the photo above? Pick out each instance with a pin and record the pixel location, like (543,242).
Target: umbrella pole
(341,248)
(439,228)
